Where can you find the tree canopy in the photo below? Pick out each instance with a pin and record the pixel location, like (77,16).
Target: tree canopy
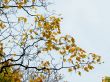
(32,47)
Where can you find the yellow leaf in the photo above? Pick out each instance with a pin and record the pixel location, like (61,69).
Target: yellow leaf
(72,56)
(31,80)
(30,30)
(78,58)
(46,63)
(24,1)
(33,1)
(2,25)
(70,70)
(22,43)
(6,1)
(72,39)
(31,37)
(70,60)
(64,60)
(22,19)
(67,47)
(42,76)
(38,79)
(72,49)
(79,73)
(39,24)
(19,5)
(83,55)
(42,18)
(1,48)
(90,67)
(25,20)
(86,69)
(99,59)
(14,54)
(35,33)
(36,19)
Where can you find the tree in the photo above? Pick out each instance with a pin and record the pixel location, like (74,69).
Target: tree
(31,43)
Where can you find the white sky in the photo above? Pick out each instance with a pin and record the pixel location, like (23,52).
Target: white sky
(89,22)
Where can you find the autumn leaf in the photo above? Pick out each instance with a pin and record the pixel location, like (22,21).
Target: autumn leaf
(38,79)
(79,73)
(70,70)
(70,60)
(64,60)
(2,25)
(30,30)
(90,67)
(86,69)
(33,1)
(78,58)
(22,19)
(19,5)
(39,24)
(6,1)
(72,49)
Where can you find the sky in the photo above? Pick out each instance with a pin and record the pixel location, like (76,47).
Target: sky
(88,21)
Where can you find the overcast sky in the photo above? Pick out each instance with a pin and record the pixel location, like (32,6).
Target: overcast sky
(89,22)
